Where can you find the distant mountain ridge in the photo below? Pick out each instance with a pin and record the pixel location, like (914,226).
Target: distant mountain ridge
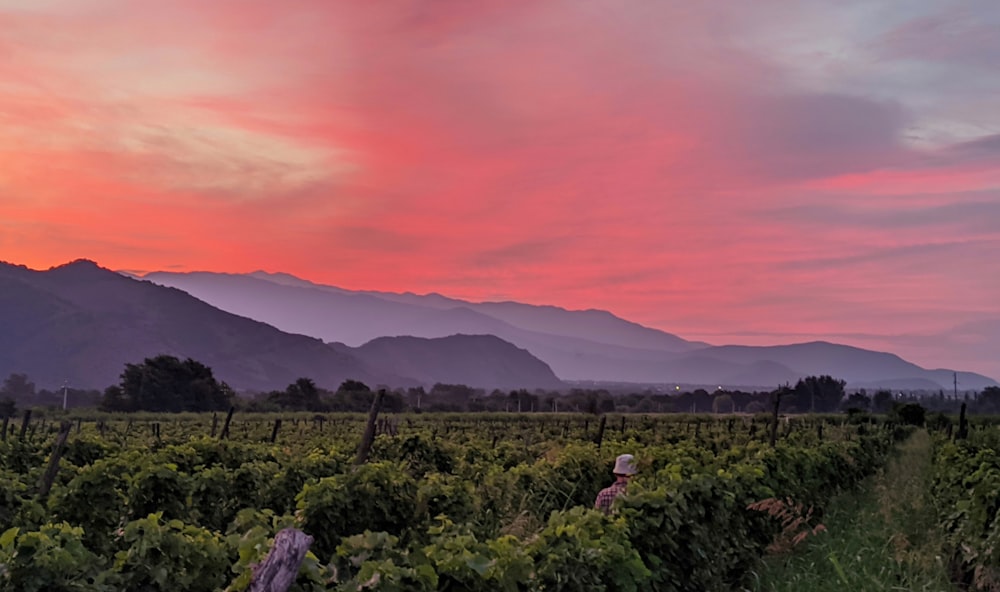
(81,324)
(578,345)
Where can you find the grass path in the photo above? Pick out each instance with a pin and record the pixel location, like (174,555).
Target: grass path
(880,538)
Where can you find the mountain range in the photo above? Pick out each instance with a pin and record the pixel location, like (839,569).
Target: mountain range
(79,324)
(588,345)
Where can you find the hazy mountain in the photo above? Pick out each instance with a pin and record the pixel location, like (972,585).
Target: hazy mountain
(81,324)
(577,345)
(482,360)
(571,342)
(859,367)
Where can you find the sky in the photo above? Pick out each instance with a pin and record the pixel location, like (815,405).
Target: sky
(763,172)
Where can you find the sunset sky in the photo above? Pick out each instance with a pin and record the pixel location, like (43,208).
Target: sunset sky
(757,172)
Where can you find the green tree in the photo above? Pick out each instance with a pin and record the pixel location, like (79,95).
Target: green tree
(882,401)
(818,394)
(723,404)
(352,395)
(858,401)
(18,387)
(353,386)
(301,395)
(166,383)
(989,400)
(114,399)
(910,413)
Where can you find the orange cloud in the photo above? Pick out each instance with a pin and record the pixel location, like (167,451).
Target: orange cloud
(710,172)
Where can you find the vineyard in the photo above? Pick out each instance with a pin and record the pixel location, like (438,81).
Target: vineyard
(448,502)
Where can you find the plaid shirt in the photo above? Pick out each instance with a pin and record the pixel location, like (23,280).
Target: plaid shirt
(608,495)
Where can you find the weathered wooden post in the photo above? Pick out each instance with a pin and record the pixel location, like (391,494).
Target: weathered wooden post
(279,569)
(600,431)
(274,432)
(45,484)
(24,424)
(225,426)
(369,437)
(774,418)
(963,425)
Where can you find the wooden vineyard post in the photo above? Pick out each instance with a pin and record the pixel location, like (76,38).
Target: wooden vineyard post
(366,441)
(774,418)
(215,424)
(600,431)
(225,426)
(274,432)
(57,451)
(281,566)
(24,424)
(963,425)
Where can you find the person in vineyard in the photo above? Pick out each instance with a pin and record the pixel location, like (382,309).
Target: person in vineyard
(624,469)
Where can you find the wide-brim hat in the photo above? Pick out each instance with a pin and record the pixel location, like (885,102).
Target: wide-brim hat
(624,465)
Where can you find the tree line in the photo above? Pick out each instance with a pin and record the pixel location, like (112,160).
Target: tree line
(168,384)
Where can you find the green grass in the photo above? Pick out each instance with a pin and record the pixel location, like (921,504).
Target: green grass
(880,538)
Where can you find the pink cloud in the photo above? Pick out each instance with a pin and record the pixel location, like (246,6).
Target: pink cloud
(667,162)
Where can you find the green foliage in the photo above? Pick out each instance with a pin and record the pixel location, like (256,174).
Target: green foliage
(582,549)
(965,486)
(420,455)
(21,457)
(95,500)
(159,489)
(446,495)
(377,496)
(375,561)
(171,556)
(12,492)
(87,450)
(51,559)
(485,502)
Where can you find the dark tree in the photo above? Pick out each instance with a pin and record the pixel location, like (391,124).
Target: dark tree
(818,394)
(301,395)
(858,401)
(352,395)
(910,413)
(456,397)
(114,399)
(882,401)
(353,386)
(165,383)
(989,400)
(18,388)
